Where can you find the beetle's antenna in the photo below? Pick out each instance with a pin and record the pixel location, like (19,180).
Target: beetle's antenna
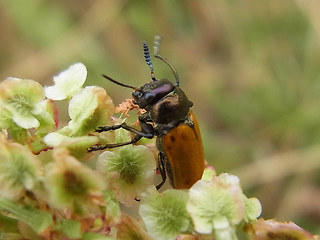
(119,83)
(148,60)
(156,48)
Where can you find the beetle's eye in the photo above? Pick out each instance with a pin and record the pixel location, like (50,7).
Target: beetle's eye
(137,94)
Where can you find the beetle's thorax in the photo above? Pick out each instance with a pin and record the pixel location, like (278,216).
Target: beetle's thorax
(171,108)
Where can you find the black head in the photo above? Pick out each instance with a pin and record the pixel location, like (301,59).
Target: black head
(152,92)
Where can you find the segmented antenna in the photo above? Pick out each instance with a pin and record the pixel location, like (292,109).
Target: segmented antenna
(119,83)
(156,49)
(148,60)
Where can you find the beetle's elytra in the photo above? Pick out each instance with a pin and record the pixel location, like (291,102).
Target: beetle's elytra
(169,118)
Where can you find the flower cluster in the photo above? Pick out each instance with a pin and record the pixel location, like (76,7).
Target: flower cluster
(51,187)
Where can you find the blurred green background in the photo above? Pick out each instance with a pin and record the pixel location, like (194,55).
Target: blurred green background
(252,69)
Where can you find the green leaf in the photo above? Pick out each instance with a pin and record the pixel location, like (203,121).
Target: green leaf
(8,224)
(68,227)
(113,211)
(96,236)
(33,217)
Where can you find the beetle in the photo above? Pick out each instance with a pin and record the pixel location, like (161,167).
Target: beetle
(169,117)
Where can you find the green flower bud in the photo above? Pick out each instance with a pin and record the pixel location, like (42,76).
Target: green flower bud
(253,209)
(19,169)
(216,204)
(165,215)
(22,106)
(129,171)
(18,100)
(73,185)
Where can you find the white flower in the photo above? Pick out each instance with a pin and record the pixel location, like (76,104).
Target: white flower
(67,83)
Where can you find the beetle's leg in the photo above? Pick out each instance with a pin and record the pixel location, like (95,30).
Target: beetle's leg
(135,139)
(146,131)
(162,170)
(107,128)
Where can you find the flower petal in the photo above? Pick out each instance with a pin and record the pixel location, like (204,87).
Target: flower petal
(67,83)
(89,109)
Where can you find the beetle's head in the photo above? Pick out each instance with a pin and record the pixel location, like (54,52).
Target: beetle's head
(152,92)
